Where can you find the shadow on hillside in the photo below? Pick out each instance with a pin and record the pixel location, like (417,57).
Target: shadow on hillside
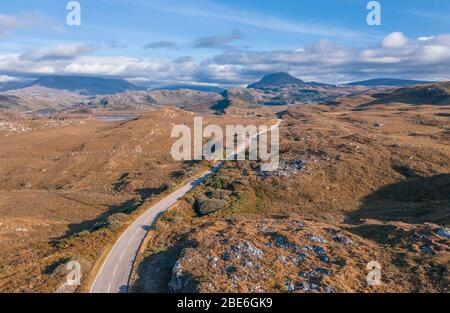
(155,271)
(415,200)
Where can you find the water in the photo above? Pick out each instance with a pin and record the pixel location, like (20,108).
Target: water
(43,112)
(115,118)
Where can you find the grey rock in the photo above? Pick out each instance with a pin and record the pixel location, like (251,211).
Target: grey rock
(443,232)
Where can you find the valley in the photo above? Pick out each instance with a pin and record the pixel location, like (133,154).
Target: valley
(364,176)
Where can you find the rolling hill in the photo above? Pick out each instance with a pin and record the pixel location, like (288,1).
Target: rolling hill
(388,82)
(435,94)
(87,85)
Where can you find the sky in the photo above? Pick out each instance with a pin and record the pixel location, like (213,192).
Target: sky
(225,42)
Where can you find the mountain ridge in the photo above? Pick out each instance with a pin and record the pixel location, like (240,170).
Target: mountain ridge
(389,82)
(86,85)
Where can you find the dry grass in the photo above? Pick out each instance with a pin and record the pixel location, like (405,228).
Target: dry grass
(63,176)
(379,176)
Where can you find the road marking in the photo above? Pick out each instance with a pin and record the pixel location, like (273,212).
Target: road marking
(123,251)
(130,239)
(115,269)
(109,287)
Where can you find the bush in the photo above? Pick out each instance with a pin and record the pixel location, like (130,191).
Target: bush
(116,221)
(237,184)
(189,200)
(165,186)
(178,174)
(210,206)
(218,181)
(218,194)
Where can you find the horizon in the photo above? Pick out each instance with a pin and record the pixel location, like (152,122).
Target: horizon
(34,80)
(224,43)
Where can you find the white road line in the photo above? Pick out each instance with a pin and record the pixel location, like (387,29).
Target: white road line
(123,251)
(109,287)
(115,269)
(130,240)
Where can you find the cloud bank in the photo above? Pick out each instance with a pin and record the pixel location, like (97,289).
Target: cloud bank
(395,56)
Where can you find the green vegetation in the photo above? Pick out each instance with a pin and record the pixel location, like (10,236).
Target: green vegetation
(209,206)
(116,221)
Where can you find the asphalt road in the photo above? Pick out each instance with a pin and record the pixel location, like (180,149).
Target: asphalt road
(115,271)
(114,275)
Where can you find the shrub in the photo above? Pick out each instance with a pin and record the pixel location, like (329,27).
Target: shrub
(165,186)
(115,221)
(189,200)
(210,206)
(218,181)
(237,184)
(218,194)
(178,174)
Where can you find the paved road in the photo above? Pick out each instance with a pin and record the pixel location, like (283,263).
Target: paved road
(115,272)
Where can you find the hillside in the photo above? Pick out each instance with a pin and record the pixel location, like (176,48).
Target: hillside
(435,94)
(144,100)
(86,85)
(353,187)
(71,181)
(388,82)
(201,88)
(38,98)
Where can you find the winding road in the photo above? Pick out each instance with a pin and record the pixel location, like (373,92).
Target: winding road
(116,269)
(114,275)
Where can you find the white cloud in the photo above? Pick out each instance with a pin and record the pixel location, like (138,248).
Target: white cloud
(322,61)
(395,40)
(9,23)
(425,38)
(59,52)
(6,79)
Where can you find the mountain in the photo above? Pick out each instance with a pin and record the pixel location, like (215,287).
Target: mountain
(389,82)
(277,79)
(201,88)
(435,94)
(86,85)
(190,100)
(38,98)
(12,85)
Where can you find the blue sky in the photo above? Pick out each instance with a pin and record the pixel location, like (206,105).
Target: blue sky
(225,42)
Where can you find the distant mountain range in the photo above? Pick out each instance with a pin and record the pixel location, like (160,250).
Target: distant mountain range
(90,86)
(435,94)
(388,82)
(12,85)
(201,88)
(87,85)
(284,79)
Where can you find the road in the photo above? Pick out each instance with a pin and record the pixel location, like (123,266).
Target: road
(116,269)
(114,275)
